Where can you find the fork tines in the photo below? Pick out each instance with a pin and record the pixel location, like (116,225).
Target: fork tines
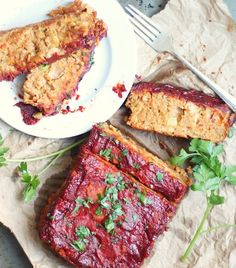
(143,26)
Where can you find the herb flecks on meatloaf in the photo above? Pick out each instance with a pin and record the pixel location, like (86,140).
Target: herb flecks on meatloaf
(103,217)
(117,148)
(175,111)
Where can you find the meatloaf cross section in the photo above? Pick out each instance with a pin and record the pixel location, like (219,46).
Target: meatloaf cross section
(22,49)
(103,218)
(109,143)
(175,111)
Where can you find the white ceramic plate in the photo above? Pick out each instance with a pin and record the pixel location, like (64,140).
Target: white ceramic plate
(115,62)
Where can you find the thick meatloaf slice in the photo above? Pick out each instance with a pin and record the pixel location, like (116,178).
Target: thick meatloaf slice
(109,143)
(102,217)
(22,49)
(48,85)
(175,111)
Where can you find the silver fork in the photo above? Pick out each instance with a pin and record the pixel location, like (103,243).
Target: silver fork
(160,41)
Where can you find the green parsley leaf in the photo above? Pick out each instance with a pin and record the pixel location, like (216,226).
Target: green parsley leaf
(125,152)
(98,211)
(216,199)
(106,153)
(109,225)
(82,232)
(109,178)
(31,182)
(142,197)
(136,166)
(79,245)
(180,159)
(159,176)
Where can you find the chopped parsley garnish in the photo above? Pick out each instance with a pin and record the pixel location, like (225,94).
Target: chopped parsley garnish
(159,176)
(110,178)
(125,152)
(106,153)
(98,211)
(136,166)
(78,245)
(110,201)
(109,224)
(82,202)
(82,233)
(142,197)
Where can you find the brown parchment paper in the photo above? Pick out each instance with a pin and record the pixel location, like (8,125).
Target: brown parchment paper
(205,34)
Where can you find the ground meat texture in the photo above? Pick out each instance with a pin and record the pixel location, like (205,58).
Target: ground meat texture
(136,227)
(22,49)
(175,111)
(109,143)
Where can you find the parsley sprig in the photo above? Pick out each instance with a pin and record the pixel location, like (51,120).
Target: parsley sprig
(31,182)
(209,174)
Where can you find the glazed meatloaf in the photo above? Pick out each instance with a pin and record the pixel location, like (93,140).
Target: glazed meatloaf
(22,49)
(109,143)
(175,111)
(103,218)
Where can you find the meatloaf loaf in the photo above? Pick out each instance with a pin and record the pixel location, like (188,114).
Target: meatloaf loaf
(175,111)
(103,218)
(22,49)
(109,143)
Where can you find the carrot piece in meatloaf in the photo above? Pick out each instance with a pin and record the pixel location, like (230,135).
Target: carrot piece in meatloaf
(22,49)
(109,143)
(103,218)
(175,111)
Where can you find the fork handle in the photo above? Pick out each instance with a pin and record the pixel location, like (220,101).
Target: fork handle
(225,96)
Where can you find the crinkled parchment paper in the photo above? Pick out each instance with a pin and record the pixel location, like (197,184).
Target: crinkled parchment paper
(205,34)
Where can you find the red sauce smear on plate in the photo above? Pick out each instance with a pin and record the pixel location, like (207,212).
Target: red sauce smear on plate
(119,89)
(27,112)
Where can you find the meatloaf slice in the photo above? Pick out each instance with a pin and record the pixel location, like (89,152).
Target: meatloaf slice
(109,143)
(103,218)
(175,111)
(48,85)
(22,49)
